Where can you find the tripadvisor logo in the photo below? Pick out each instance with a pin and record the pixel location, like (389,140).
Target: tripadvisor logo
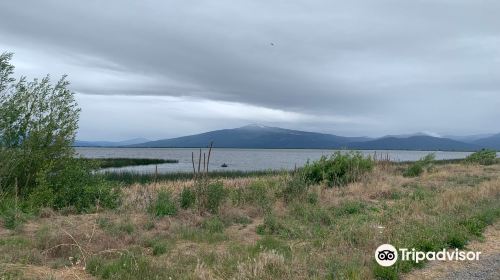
(387,255)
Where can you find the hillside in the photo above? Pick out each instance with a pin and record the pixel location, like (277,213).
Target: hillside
(422,143)
(492,142)
(255,136)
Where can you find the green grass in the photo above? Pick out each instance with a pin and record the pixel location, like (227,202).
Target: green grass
(145,178)
(164,205)
(128,266)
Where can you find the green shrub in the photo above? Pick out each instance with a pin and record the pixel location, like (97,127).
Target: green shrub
(270,243)
(338,170)
(187,198)
(483,157)
(273,226)
(11,214)
(74,186)
(419,166)
(126,227)
(158,246)
(210,196)
(164,205)
(312,198)
(258,193)
(295,188)
(213,225)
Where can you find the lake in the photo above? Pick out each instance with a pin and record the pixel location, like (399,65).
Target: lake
(239,159)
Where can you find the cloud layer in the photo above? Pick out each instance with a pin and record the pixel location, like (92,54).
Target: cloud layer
(169,68)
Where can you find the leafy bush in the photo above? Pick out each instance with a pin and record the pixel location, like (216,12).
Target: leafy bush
(210,196)
(215,197)
(483,157)
(164,205)
(37,129)
(187,198)
(419,166)
(338,170)
(73,186)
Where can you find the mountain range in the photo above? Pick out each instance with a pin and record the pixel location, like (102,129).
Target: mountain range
(265,137)
(79,143)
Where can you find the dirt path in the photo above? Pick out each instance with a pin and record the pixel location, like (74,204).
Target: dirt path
(488,266)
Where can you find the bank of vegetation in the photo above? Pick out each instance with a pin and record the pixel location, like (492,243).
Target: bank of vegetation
(123,162)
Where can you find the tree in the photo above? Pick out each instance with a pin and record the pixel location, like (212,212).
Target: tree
(38,124)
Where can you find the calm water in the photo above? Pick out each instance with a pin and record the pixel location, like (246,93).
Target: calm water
(239,159)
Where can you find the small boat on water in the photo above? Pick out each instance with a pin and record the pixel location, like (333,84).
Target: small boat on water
(224,165)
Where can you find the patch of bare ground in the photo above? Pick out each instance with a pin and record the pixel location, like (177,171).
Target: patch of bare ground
(245,234)
(487,267)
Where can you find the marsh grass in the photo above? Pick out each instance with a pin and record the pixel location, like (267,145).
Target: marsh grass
(122,162)
(146,178)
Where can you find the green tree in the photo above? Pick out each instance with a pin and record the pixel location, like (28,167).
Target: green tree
(38,123)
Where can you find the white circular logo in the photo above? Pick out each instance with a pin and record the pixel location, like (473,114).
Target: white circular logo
(386,255)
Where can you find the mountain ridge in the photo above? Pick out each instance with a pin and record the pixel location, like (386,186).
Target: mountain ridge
(262,137)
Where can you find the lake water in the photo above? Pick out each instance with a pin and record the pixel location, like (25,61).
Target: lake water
(239,159)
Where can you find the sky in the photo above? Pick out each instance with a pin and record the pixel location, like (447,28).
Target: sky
(161,69)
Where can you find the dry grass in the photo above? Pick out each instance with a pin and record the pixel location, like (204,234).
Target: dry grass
(335,238)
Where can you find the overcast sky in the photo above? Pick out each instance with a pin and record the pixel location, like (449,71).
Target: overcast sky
(160,69)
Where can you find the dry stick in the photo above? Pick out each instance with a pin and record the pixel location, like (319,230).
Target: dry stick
(209,151)
(156,173)
(82,250)
(204,163)
(199,162)
(192,160)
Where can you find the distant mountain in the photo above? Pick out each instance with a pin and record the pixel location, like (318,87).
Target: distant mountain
(410,135)
(422,143)
(79,143)
(468,138)
(492,142)
(257,136)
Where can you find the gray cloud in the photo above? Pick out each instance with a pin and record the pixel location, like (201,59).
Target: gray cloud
(346,67)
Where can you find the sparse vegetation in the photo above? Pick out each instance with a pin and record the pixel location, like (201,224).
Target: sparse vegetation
(418,167)
(483,157)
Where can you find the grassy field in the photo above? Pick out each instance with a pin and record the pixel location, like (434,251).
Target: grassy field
(257,231)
